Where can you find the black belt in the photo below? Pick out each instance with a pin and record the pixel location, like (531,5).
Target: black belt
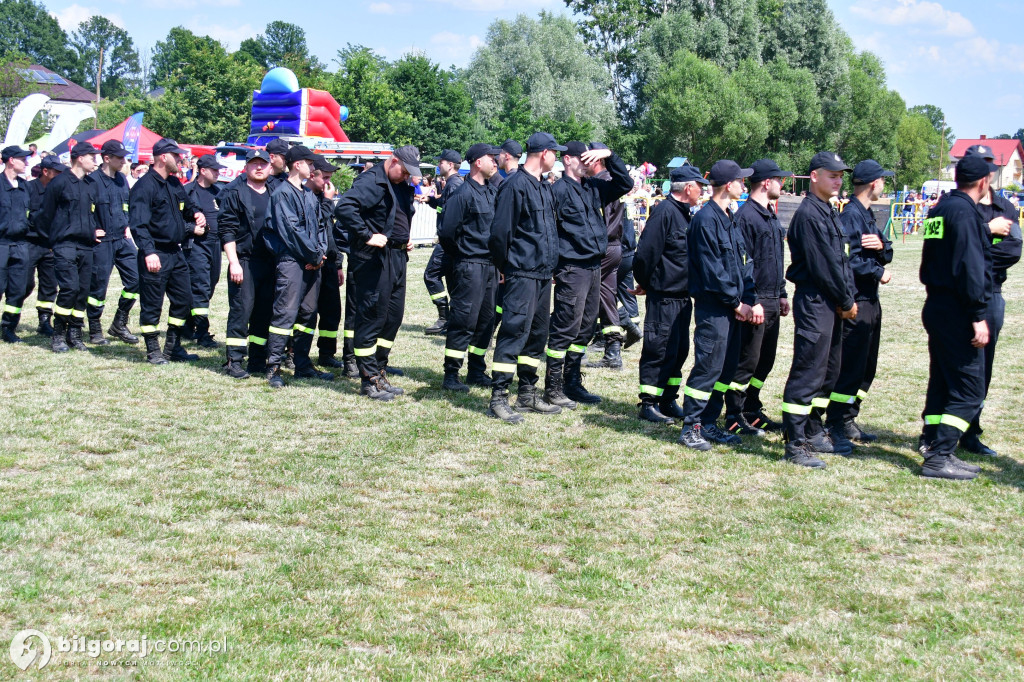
(397,244)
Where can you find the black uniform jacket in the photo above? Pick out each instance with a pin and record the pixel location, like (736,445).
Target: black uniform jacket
(524,237)
(819,253)
(14,208)
(159,212)
(1005,250)
(582,230)
(236,220)
(720,270)
(661,264)
(35,234)
(956,258)
(368,207)
(68,213)
(111,204)
(765,240)
(294,230)
(867,266)
(466,223)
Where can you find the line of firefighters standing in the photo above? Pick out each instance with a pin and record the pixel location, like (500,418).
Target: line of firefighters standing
(509,244)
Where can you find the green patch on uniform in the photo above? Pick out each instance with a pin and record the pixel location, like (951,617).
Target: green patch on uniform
(933,228)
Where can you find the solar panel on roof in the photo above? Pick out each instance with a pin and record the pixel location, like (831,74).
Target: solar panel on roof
(41,76)
(56,80)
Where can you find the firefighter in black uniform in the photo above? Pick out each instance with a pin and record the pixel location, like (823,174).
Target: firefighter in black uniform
(297,238)
(244,208)
(608,314)
(582,246)
(203,251)
(661,267)
(331,277)
(438,270)
(1001,218)
(722,284)
(463,234)
(765,240)
(823,295)
(278,164)
(70,222)
(628,308)
(40,257)
(524,248)
(870,252)
(161,214)
(115,249)
(377,212)
(14,211)
(956,270)
(508,163)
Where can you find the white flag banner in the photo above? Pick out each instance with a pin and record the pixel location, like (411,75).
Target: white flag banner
(21,120)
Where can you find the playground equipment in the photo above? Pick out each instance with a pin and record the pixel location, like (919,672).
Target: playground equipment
(280,108)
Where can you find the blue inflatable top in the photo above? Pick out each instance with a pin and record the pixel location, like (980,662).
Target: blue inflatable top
(279,80)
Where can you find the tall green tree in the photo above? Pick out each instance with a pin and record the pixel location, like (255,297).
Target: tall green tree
(873,116)
(937,118)
(120,58)
(377,111)
(281,44)
(437,100)
(917,146)
(26,28)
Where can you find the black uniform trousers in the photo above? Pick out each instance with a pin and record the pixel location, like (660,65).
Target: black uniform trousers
(577,302)
(249,308)
(296,291)
(758,346)
(329,310)
(994,316)
(956,372)
(817,353)
(379,279)
(666,346)
(861,339)
(629,308)
(13,274)
(526,316)
(471,320)
(349,333)
(204,264)
(609,314)
(173,280)
(438,271)
(716,351)
(106,255)
(72,263)
(40,264)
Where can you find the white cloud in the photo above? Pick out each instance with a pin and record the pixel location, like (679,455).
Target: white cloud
(229,35)
(70,17)
(990,53)
(918,13)
(381,8)
(453,48)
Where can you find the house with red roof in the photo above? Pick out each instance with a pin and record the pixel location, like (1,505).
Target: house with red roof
(1009,156)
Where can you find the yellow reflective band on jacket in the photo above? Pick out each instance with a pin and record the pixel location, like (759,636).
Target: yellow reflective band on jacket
(44,305)
(61,311)
(457,354)
(576,348)
(328,334)
(12,310)
(258,340)
(720,387)
(842,398)
(148,329)
(350,333)
(175,321)
(557,354)
(95,302)
(129,295)
(200,311)
(757,383)
(434,297)
(675,381)
(365,352)
(477,351)
(932,419)
(819,402)
(652,390)
(698,395)
(280,331)
(385,343)
(612,330)
(304,330)
(78,313)
(528,361)
(236,342)
(793,408)
(498,309)
(862,394)
(954,421)
(504,367)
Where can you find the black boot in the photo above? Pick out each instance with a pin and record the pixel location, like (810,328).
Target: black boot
(10,327)
(330,361)
(668,406)
(530,401)
(738,424)
(942,466)
(597,344)
(971,442)
(203,336)
(173,349)
(500,409)
(153,353)
(119,327)
(476,375)
(649,410)
(574,388)
(440,326)
(452,383)
(58,344)
(374,389)
(96,337)
(274,377)
(74,337)
(759,420)
(386,385)
(633,335)
(348,356)
(612,353)
(351,368)
(554,384)
(235,370)
(45,328)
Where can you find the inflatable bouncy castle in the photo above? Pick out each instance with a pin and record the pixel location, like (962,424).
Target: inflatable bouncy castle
(281,108)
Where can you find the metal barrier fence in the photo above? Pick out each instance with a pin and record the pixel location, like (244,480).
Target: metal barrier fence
(423,226)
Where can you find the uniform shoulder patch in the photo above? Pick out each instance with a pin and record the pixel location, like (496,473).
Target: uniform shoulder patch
(934,228)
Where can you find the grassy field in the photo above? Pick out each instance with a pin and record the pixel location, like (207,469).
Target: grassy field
(323,536)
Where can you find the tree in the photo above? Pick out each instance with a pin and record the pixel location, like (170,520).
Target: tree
(26,28)
(917,144)
(441,109)
(120,59)
(874,114)
(13,87)
(937,119)
(377,111)
(1019,135)
(282,44)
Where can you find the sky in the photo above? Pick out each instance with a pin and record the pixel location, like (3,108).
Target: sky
(965,57)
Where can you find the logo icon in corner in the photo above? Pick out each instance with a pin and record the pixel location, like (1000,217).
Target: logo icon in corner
(25,652)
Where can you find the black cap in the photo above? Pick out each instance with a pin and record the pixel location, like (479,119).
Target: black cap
(575,148)
(323,165)
(725,171)
(209,161)
(538,142)
(410,158)
(254,154)
(450,155)
(299,153)
(478,151)
(113,148)
(766,168)
(166,146)
(829,161)
(973,167)
(277,147)
(52,162)
(14,152)
(984,151)
(598,145)
(686,174)
(512,147)
(83,149)
(869,170)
